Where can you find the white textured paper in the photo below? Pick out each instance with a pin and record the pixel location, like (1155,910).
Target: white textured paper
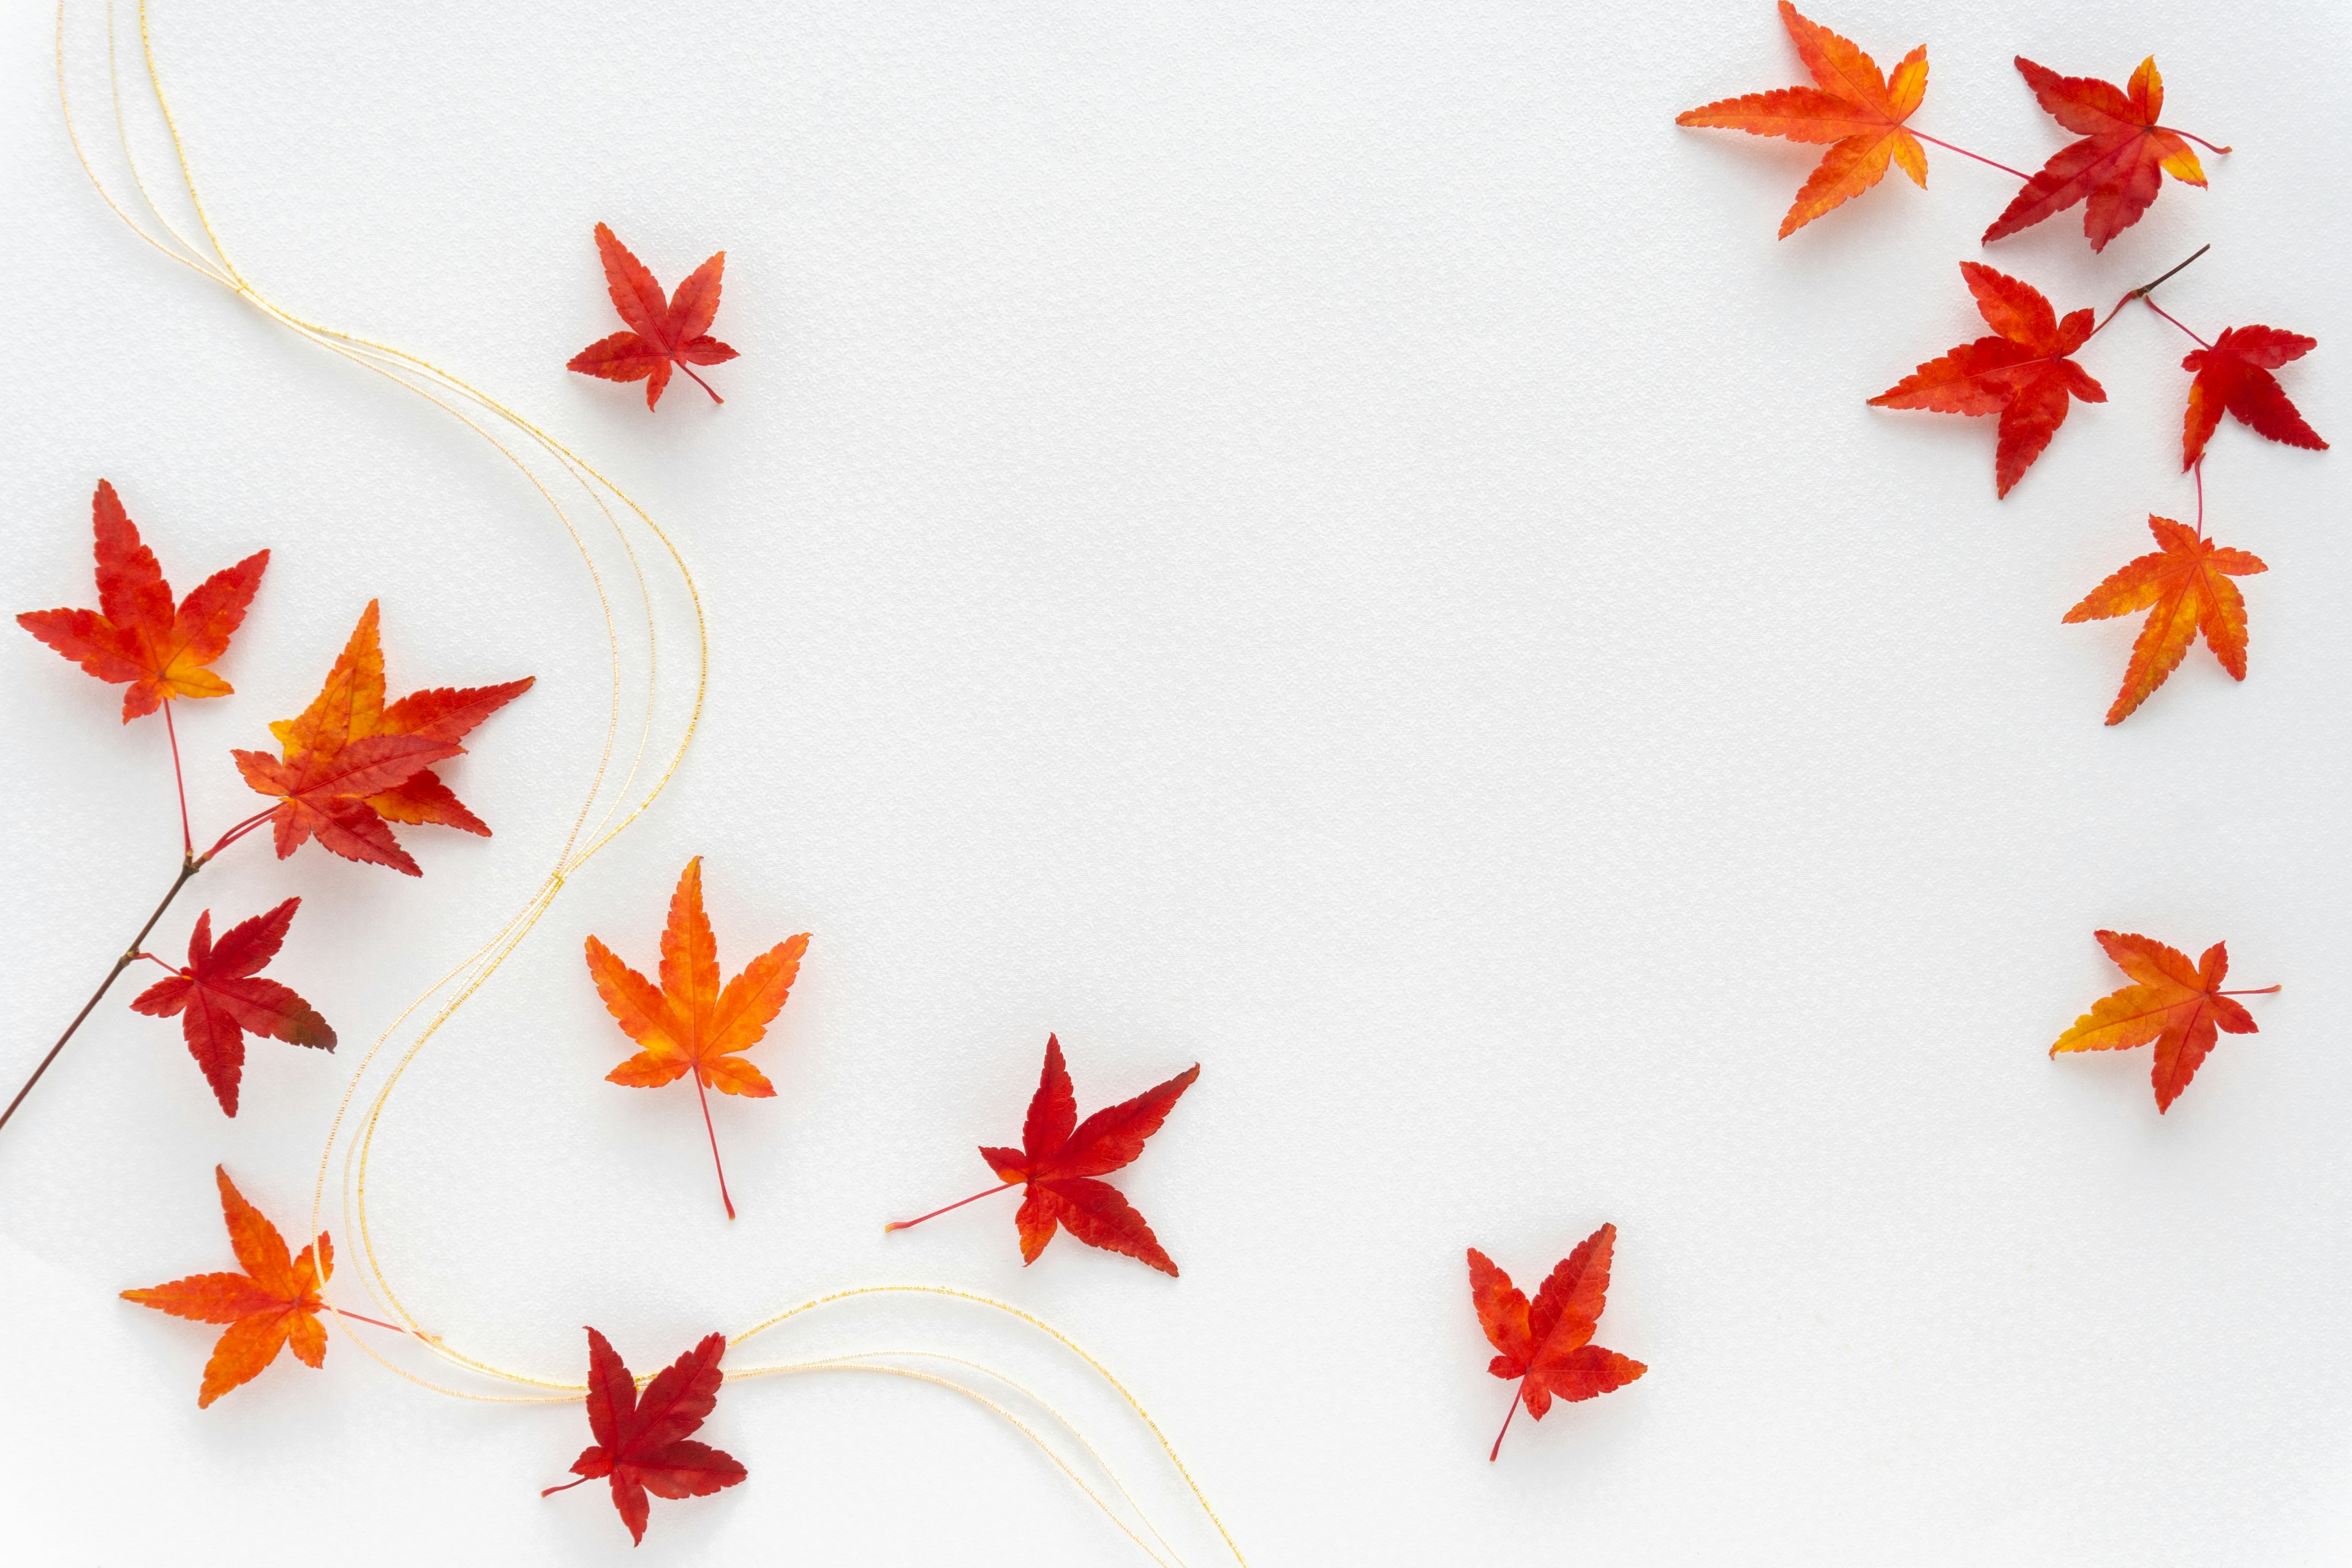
(1326,540)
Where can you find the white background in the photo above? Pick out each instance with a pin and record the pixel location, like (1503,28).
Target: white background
(1337,546)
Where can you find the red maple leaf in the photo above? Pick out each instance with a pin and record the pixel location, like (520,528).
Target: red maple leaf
(2116,167)
(1549,1346)
(2185,583)
(2020,373)
(354,763)
(662,332)
(219,996)
(1852,106)
(2234,375)
(1060,1157)
(272,1304)
(2180,1006)
(135,636)
(643,1440)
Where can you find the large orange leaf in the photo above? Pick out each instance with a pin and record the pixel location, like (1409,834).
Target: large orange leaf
(2179,1005)
(218,995)
(2020,371)
(662,333)
(643,1439)
(2116,167)
(2185,586)
(135,636)
(354,764)
(1852,106)
(1547,1345)
(1060,1158)
(689,1023)
(274,1303)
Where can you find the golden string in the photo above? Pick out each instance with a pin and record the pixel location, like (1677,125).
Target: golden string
(626,804)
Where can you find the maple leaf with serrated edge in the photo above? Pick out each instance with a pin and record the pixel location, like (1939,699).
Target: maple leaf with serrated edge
(1548,1346)
(2178,1005)
(2119,165)
(662,333)
(219,994)
(1060,1157)
(689,1023)
(1854,108)
(353,764)
(273,1304)
(2185,586)
(135,636)
(2020,373)
(2233,376)
(644,1440)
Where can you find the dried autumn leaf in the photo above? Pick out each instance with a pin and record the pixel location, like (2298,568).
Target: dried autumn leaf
(2118,165)
(353,764)
(2020,373)
(1548,1346)
(1854,108)
(2178,1005)
(218,995)
(2185,583)
(135,636)
(2234,376)
(690,1023)
(662,332)
(274,1303)
(1060,1156)
(643,1440)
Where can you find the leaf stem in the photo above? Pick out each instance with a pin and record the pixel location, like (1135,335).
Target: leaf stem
(903,1223)
(379,1322)
(179,781)
(2259,990)
(1946,146)
(704,1095)
(1518,1395)
(551,1491)
(2142,292)
(2173,318)
(189,867)
(2185,136)
(714,397)
(2199,469)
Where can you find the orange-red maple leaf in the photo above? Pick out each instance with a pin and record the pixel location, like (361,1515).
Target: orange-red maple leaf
(1548,1346)
(274,1303)
(662,333)
(644,1440)
(2118,164)
(135,635)
(2187,584)
(2020,373)
(690,1023)
(218,995)
(353,764)
(2179,1005)
(1060,1157)
(1854,108)
(2234,376)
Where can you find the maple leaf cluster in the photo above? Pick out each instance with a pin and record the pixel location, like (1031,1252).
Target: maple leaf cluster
(2024,372)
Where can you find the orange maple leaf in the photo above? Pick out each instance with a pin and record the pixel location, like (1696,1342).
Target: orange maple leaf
(135,636)
(2233,376)
(274,1303)
(1549,1346)
(2020,373)
(2118,165)
(662,332)
(1854,108)
(690,1023)
(1060,1157)
(353,764)
(2187,583)
(2178,1005)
